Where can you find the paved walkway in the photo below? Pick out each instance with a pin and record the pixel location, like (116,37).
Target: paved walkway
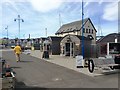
(69,62)
(35,72)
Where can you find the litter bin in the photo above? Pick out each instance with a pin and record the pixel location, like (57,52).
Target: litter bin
(45,54)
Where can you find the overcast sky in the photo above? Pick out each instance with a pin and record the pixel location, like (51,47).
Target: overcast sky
(41,14)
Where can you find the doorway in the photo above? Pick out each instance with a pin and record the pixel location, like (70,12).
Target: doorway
(69,49)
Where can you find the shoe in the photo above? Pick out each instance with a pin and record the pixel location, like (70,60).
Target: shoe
(17,60)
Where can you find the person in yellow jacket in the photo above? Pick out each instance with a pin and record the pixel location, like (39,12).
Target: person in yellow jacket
(17,51)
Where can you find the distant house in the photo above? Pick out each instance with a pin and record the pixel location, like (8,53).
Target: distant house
(102,43)
(109,38)
(35,40)
(118,37)
(50,44)
(71,33)
(54,45)
(41,41)
(75,28)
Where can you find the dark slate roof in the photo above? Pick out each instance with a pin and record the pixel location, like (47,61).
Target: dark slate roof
(119,37)
(73,26)
(80,37)
(55,38)
(85,38)
(109,38)
(43,38)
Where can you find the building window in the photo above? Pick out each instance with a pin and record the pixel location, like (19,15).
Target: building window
(67,29)
(89,30)
(76,28)
(83,30)
(74,31)
(86,30)
(92,31)
(70,29)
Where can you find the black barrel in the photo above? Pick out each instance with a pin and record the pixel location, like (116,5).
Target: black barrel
(117,59)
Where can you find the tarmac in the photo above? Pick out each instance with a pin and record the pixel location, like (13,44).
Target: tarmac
(70,62)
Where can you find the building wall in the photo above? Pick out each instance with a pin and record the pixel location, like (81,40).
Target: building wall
(77,46)
(118,36)
(55,48)
(91,31)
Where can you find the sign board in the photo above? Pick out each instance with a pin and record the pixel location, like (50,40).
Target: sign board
(113,48)
(79,61)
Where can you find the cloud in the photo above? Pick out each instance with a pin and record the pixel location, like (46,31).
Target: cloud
(86,4)
(45,5)
(14,1)
(100,1)
(36,22)
(12,4)
(111,12)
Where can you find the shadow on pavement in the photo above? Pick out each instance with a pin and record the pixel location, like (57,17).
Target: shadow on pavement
(25,61)
(15,67)
(22,86)
(112,72)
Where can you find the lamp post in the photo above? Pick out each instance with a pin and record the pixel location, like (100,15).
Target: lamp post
(19,19)
(82,30)
(7,34)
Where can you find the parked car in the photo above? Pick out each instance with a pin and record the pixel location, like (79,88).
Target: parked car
(13,46)
(36,46)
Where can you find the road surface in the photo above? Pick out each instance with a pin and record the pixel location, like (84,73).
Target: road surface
(37,73)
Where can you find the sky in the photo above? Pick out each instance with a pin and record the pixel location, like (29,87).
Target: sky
(45,15)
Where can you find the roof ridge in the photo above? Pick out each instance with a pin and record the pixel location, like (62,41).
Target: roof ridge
(75,21)
(76,25)
(106,36)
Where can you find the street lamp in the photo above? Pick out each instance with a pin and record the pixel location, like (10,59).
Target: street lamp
(7,34)
(82,29)
(19,19)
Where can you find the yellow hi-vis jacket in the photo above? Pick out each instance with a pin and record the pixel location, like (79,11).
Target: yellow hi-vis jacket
(17,49)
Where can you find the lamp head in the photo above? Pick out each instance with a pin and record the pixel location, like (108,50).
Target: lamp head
(22,20)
